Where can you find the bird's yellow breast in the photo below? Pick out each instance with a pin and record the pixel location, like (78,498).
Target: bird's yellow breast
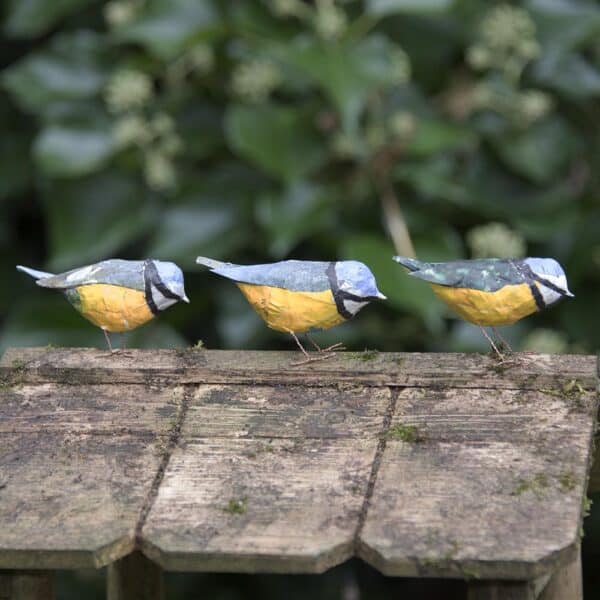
(112,307)
(502,307)
(289,311)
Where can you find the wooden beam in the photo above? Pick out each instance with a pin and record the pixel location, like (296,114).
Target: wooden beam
(135,577)
(500,590)
(27,585)
(566,582)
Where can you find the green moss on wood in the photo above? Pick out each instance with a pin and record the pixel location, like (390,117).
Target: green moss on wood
(405,433)
(236,506)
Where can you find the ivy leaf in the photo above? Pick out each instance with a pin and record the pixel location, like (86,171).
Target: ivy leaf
(348,72)
(382,8)
(71,67)
(68,151)
(568,73)
(434,135)
(166,27)
(299,211)
(541,152)
(90,219)
(564,24)
(280,139)
(403,292)
(199,227)
(30,18)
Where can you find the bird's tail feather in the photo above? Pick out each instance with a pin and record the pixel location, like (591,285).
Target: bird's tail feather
(210,263)
(410,263)
(33,273)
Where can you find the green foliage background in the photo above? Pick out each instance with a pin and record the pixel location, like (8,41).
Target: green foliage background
(259,130)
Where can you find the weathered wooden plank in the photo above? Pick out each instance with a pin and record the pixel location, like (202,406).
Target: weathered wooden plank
(77,464)
(565,583)
(480,484)
(291,411)
(156,367)
(135,578)
(279,490)
(501,590)
(95,409)
(27,585)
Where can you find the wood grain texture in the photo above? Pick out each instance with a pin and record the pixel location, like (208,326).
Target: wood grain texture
(439,465)
(565,582)
(169,367)
(134,577)
(27,585)
(267,479)
(490,486)
(76,466)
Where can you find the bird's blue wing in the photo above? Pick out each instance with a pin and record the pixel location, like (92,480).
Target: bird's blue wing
(294,275)
(124,273)
(487,275)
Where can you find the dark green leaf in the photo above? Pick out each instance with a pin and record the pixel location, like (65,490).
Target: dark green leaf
(565,23)
(69,68)
(92,218)
(295,213)
(65,151)
(568,73)
(403,292)
(541,152)
(29,18)
(201,226)
(166,27)
(388,7)
(433,136)
(347,72)
(280,139)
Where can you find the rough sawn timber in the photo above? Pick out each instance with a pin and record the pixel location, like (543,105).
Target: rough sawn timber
(439,465)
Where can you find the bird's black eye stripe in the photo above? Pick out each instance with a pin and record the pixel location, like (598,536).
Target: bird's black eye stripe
(549,285)
(537,296)
(152,278)
(338,295)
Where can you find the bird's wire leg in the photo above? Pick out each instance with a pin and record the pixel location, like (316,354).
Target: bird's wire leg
(491,341)
(108,341)
(308,358)
(114,351)
(502,340)
(332,348)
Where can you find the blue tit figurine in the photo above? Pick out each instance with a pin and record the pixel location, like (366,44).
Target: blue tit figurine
(297,296)
(118,295)
(493,291)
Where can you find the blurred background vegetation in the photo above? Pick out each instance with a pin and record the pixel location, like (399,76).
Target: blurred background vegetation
(260,130)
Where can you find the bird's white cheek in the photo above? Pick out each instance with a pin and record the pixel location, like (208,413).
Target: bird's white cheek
(161,302)
(550,296)
(353,307)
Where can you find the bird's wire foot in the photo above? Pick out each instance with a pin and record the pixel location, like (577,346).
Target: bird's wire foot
(311,359)
(503,343)
(499,356)
(333,348)
(115,351)
(322,355)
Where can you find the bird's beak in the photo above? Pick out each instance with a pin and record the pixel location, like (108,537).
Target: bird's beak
(380,296)
(186,299)
(569,294)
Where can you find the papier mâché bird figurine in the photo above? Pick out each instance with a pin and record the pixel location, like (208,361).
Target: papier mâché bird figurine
(298,296)
(493,291)
(118,295)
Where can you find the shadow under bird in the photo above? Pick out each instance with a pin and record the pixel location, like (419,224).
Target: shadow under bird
(298,296)
(493,291)
(117,295)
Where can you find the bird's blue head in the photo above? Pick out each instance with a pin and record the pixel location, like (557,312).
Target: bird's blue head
(357,284)
(168,288)
(551,277)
